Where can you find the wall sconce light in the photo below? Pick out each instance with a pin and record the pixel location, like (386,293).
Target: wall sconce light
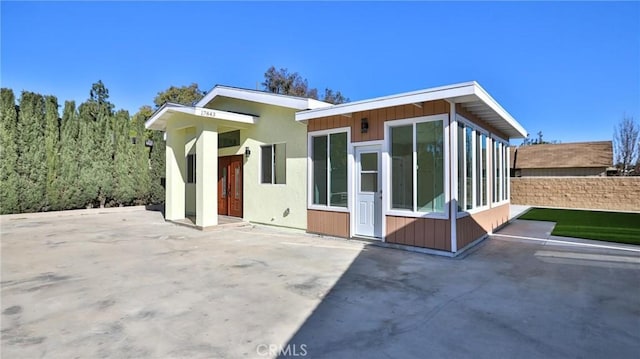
(247,152)
(364,125)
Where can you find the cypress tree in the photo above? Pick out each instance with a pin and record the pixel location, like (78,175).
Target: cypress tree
(124,160)
(31,166)
(141,155)
(97,142)
(157,175)
(67,182)
(9,197)
(52,136)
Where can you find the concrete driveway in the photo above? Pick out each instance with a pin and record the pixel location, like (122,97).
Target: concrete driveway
(127,284)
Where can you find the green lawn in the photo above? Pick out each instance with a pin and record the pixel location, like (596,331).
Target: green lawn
(604,226)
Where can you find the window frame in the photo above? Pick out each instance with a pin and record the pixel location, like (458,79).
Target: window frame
(273,164)
(227,133)
(503,195)
(310,174)
(387,164)
(475,172)
(191,169)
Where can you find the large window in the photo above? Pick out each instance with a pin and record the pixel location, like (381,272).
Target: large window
(329,168)
(472,167)
(274,163)
(417,167)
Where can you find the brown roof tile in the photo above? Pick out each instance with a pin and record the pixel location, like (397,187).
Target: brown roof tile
(563,155)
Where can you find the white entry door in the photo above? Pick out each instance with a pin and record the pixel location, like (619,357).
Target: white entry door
(368,192)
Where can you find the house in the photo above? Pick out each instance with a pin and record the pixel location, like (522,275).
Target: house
(425,169)
(563,159)
(236,152)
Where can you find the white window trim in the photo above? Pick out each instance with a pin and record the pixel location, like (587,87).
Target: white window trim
(320,207)
(475,129)
(273,165)
(505,143)
(386,167)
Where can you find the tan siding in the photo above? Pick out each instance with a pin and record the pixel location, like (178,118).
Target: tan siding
(419,232)
(377,118)
(472,227)
(328,223)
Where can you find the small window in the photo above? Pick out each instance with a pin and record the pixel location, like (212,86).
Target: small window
(229,139)
(274,162)
(191,168)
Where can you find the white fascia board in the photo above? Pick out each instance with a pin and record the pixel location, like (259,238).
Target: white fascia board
(436,93)
(297,103)
(495,106)
(224,115)
(158,119)
(154,122)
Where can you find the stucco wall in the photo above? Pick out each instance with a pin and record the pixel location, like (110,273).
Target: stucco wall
(190,188)
(275,204)
(611,193)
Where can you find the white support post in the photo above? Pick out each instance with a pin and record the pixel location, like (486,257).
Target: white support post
(175,174)
(206,175)
(453,171)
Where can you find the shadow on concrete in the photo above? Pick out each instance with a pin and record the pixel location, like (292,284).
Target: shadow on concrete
(155,207)
(500,301)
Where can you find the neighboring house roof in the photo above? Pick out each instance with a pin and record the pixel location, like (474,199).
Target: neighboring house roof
(158,120)
(469,95)
(563,155)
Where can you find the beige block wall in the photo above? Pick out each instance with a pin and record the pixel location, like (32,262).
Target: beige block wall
(609,193)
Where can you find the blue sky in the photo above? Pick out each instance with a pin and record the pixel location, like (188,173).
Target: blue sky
(569,69)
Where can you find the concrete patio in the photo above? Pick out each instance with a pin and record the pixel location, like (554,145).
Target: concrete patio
(125,283)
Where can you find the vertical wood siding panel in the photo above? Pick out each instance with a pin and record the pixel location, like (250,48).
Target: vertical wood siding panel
(382,114)
(391,229)
(447,236)
(419,111)
(419,232)
(403,229)
(323,123)
(344,121)
(438,107)
(427,228)
(428,108)
(439,234)
(355,130)
(399,112)
(410,231)
(409,110)
(373,125)
(390,114)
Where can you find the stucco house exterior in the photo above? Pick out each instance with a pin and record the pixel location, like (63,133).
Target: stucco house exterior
(581,159)
(427,169)
(236,152)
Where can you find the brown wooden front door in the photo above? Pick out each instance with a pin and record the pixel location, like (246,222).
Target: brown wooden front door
(230,185)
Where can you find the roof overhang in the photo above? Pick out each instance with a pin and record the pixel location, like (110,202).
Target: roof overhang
(158,121)
(470,95)
(293,102)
